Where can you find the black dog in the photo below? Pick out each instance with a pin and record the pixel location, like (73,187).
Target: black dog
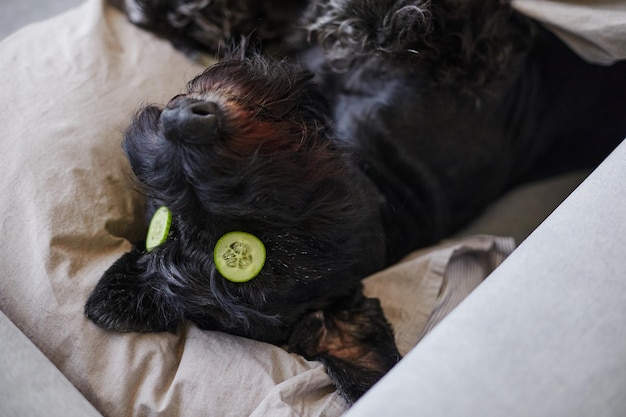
(414,117)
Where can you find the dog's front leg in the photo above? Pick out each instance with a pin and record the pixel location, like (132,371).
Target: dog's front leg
(128,299)
(356,345)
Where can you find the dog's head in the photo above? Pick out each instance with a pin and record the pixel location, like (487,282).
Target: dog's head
(248,148)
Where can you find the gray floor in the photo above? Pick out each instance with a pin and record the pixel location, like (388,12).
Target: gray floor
(16,13)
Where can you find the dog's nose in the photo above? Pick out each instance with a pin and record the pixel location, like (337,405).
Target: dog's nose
(191,120)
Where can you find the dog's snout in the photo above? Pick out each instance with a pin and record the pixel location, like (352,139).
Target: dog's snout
(192,121)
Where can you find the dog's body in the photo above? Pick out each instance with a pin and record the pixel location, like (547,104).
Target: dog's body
(417,116)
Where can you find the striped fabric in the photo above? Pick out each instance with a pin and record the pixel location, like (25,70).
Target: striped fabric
(417,293)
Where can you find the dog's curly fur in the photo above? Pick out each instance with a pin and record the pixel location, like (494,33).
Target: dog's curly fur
(408,117)
(216,25)
(463,43)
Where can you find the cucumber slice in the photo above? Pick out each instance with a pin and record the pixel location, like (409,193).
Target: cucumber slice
(159,228)
(239,256)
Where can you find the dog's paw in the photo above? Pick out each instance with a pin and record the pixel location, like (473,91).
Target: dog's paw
(355,344)
(123,301)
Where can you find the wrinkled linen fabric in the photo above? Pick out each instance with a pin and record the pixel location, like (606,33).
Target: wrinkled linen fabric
(595,29)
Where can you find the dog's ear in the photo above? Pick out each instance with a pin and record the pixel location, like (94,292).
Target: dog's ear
(126,299)
(356,345)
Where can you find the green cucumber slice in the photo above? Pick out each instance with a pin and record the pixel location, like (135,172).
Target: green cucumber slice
(239,256)
(159,228)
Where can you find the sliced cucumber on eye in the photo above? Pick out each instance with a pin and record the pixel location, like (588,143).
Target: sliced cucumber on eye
(159,228)
(239,256)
